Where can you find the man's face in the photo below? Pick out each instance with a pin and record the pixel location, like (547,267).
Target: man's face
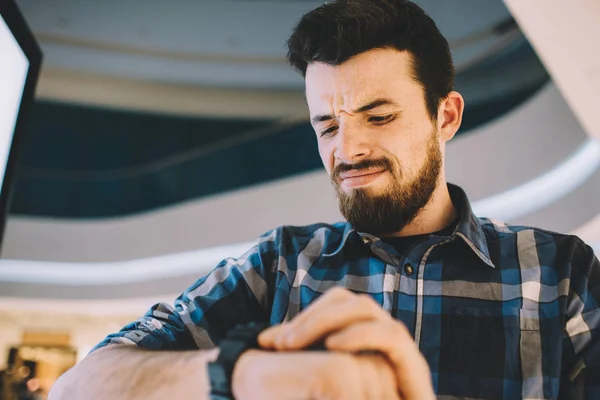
(376,139)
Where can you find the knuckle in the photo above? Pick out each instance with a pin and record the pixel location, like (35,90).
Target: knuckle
(366,302)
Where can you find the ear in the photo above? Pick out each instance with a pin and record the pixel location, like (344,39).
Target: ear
(450,115)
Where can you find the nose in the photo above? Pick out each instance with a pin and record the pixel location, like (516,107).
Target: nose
(351,145)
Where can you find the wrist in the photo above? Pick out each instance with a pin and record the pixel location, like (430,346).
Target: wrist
(237,341)
(211,355)
(241,371)
(330,370)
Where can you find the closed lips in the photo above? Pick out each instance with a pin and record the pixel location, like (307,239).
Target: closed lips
(357,173)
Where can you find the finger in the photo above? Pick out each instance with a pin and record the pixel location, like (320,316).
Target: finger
(330,298)
(266,339)
(336,294)
(387,337)
(324,321)
(393,340)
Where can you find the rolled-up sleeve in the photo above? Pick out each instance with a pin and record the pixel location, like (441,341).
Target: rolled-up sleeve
(237,290)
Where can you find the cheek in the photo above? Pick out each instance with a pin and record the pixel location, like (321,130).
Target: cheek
(407,157)
(326,153)
(417,160)
(412,158)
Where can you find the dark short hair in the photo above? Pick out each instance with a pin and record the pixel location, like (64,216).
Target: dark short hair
(341,29)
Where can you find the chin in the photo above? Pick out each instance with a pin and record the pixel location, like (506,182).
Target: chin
(371,190)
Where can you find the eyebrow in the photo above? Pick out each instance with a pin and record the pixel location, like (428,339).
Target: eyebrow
(374,104)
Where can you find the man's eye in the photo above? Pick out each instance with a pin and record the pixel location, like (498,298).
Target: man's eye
(328,131)
(382,119)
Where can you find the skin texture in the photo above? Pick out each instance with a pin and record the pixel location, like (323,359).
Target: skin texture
(400,134)
(313,375)
(122,372)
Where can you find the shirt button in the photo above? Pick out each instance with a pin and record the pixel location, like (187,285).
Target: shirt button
(408,268)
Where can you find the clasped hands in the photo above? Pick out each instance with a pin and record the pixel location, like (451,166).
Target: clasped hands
(371,355)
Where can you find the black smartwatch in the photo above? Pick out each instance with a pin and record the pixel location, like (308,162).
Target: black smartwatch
(237,341)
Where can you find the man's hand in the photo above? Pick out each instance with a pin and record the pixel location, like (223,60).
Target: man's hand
(355,323)
(313,375)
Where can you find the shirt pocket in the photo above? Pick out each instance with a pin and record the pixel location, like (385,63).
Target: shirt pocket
(494,353)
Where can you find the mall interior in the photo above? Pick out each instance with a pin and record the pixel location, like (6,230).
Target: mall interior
(166,136)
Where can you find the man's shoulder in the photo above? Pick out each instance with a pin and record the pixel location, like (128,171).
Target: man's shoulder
(497,230)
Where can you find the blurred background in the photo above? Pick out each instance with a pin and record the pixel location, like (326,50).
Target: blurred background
(166,136)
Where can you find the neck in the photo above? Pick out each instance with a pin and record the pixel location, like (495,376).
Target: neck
(436,215)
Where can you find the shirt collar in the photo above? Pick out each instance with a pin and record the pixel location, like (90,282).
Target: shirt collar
(469,228)
(347,232)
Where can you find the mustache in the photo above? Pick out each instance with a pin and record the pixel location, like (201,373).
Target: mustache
(364,164)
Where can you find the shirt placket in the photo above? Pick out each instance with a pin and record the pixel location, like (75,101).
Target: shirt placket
(390,284)
(412,269)
(396,264)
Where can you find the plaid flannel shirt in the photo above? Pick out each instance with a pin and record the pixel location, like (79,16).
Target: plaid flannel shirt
(498,311)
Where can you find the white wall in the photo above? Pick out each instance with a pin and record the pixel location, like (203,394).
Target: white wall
(565,38)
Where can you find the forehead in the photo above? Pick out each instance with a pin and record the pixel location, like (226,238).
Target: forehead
(380,73)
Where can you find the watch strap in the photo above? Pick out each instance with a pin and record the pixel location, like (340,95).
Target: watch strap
(235,343)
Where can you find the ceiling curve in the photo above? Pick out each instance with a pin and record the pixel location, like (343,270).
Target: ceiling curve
(180,42)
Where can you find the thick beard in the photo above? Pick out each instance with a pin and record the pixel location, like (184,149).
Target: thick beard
(391,211)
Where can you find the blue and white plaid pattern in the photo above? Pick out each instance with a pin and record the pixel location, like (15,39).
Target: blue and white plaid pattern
(499,312)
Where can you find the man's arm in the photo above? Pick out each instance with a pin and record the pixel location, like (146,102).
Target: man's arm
(126,372)
(236,291)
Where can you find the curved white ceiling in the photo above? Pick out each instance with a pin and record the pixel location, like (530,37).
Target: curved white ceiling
(554,185)
(179,41)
